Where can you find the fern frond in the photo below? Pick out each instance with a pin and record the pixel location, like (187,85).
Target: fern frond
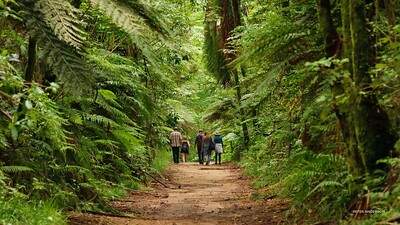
(133,24)
(98,119)
(184,112)
(61,17)
(327,183)
(108,143)
(221,110)
(66,63)
(121,76)
(151,18)
(73,115)
(15,169)
(121,15)
(110,97)
(130,139)
(117,114)
(3,141)
(88,153)
(71,168)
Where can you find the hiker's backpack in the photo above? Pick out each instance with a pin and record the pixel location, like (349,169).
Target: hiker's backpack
(185,146)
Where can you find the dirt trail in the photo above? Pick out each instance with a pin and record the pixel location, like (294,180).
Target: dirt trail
(196,195)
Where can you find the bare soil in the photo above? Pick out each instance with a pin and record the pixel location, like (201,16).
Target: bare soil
(196,194)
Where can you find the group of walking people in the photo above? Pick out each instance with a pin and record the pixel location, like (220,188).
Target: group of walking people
(204,144)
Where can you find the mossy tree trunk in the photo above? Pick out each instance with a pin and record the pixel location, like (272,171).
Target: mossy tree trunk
(355,157)
(333,48)
(372,125)
(365,125)
(328,29)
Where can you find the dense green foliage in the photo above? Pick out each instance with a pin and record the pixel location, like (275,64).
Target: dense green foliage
(90,89)
(88,95)
(299,102)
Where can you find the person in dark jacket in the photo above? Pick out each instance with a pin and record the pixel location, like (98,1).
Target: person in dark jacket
(218,147)
(198,142)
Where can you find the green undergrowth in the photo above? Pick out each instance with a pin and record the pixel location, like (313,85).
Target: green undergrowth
(20,211)
(317,187)
(315,183)
(16,208)
(384,200)
(161,160)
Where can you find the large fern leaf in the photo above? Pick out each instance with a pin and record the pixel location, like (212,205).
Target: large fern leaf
(132,20)
(67,64)
(61,16)
(145,11)
(122,16)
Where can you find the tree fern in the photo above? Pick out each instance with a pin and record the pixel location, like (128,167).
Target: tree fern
(223,110)
(131,22)
(122,77)
(215,61)
(61,16)
(130,15)
(64,61)
(150,16)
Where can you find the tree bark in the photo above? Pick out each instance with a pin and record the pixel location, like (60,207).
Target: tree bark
(245,129)
(333,47)
(372,125)
(30,69)
(230,19)
(331,36)
(390,7)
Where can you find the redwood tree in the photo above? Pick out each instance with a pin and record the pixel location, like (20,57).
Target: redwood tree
(222,17)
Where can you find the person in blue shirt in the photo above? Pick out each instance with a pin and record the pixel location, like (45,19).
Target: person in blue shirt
(218,147)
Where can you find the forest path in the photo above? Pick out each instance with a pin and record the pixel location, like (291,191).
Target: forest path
(196,194)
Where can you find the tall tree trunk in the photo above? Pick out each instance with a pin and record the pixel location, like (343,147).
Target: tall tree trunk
(229,12)
(230,19)
(216,62)
(372,125)
(390,7)
(245,129)
(31,65)
(331,36)
(356,165)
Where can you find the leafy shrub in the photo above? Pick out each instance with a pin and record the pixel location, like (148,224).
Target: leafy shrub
(15,208)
